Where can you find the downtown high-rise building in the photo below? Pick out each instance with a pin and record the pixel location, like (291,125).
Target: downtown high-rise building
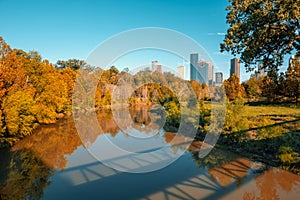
(194,74)
(156,67)
(201,71)
(181,72)
(235,67)
(219,78)
(210,74)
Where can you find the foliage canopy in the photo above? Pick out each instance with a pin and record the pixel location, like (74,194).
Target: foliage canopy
(262,31)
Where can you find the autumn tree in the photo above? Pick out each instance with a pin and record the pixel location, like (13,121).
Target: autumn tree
(68,76)
(32,91)
(233,88)
(292,82)
(12,79)
(201,90)
(270,88)
(262,30)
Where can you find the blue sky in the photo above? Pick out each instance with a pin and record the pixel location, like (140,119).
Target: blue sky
(72,29)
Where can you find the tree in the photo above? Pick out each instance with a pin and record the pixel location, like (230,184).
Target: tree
(262,30)
(236,123)
(74,64)
(197,88)
(270,88)
(253,87)
(25,176)
(19,115)
(292,83)
(233,88)
(32,91)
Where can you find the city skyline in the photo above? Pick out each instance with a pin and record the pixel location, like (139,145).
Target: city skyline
(205,72)
(76,31)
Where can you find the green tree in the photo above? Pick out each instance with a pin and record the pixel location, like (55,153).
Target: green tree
(173,115)
(262,30)
(74,64)
(253,87)
(236,123)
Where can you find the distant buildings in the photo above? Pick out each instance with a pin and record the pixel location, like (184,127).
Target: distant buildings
(235,67)
(181,72)
(201,71)
(219,78)
(210,74)
(260,71)
(156,67)
(194,74)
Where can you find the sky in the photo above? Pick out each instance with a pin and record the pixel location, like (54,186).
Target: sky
(61,29)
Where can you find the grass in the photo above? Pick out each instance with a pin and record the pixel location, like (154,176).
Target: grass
(266,130)
(273,111)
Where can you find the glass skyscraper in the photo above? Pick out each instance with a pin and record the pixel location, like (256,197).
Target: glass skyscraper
(235,67)
(194,66)
(201,71)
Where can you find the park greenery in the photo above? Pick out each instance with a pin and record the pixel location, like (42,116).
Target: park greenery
(262,113)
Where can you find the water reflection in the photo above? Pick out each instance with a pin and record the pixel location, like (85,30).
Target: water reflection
(27,171)
(52,143)
(23,175)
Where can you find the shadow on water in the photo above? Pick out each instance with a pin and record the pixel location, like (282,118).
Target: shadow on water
(220,175)
(52,164)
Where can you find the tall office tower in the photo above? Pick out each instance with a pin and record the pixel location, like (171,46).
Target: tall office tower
(156,67)
(210,74)
(181,72)
(219,78)
(203,71)
(206,72)
(193,66)
(235,67)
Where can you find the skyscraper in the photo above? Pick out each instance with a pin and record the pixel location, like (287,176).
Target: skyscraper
(193,66)
(210,74)
(235,67)
(181,72)
(206,71)
(156,67)
(201,71)
(219,78)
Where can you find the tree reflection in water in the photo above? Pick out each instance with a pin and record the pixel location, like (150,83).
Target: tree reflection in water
(26,168)
(23,175)
(227,169)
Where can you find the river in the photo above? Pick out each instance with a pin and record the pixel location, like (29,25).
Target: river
(53,163)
